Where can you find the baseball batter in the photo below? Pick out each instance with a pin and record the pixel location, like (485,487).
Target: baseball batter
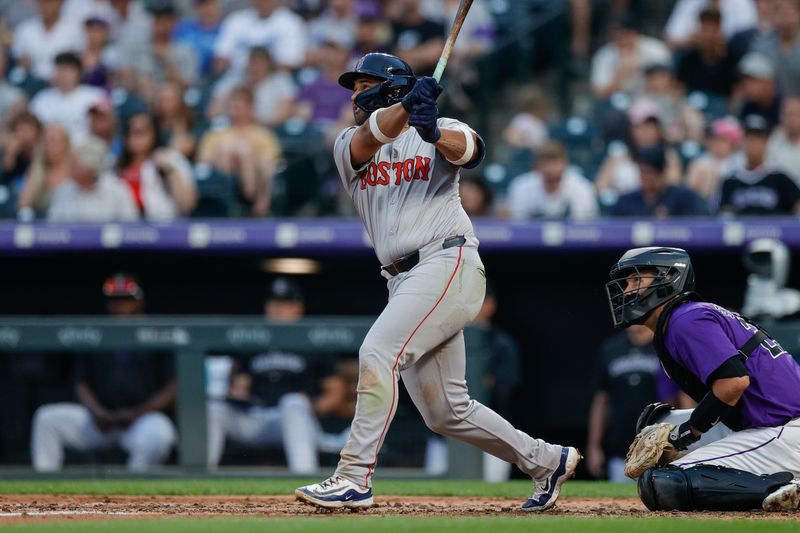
(739,449)
(400,164)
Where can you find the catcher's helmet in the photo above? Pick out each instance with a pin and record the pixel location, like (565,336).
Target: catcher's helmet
(396,73)
(672,274)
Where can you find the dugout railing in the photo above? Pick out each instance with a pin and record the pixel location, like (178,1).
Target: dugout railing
(192,338)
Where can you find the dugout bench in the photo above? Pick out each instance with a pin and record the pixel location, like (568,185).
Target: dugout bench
(191,338)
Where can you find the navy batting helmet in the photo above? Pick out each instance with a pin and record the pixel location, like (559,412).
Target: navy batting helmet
(396,73)
(669,268)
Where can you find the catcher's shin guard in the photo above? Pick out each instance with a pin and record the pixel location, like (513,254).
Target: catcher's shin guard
(706,488)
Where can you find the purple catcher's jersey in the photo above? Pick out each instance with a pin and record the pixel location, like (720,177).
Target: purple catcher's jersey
(701,336)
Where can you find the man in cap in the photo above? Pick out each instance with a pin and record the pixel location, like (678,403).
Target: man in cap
(760,95)
(758,189)
(123,396)
(268,402)
(655,196)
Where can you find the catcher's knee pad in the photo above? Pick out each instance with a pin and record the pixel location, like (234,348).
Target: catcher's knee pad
(706,488)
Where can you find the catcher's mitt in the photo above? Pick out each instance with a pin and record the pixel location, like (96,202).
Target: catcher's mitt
(650,448)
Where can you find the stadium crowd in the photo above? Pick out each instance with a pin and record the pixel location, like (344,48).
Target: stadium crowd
(119,110)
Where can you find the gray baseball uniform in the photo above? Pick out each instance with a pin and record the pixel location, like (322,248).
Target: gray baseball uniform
(407,196)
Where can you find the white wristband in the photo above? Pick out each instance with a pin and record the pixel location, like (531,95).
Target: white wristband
(469,152)
(376,130)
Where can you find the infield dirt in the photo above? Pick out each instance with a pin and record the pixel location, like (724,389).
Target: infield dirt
(32,508)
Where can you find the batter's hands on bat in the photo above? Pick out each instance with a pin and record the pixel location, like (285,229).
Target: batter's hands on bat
(425,90)
(424,117)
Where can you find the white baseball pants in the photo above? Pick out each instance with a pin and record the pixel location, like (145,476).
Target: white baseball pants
(148,440)
(758,450)
(291,424)
(419,336)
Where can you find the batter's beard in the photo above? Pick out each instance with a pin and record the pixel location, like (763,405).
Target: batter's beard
(360,116)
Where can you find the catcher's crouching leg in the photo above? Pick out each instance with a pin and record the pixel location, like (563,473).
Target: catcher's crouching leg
(706,488)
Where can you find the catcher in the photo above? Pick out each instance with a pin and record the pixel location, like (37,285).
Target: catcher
(739,449)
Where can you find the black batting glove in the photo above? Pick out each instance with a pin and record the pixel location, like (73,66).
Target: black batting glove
(425,90)
(682,437)
(424,117)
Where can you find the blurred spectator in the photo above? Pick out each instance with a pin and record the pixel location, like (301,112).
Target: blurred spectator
(553,190)
(100,59)
(742,41)
(103,125)
(759,91)
(18,146)
(619,173)
(655,196)
(267,24)
(92,195)
(245,151)
(274,90)
(163,58)
(159,178)
(706,65)
(417,39)
(14,12)
(337,24)
(268,398)
(12,99)
(625,381)
(38,40)
(476,197)
(132,32)
(200,32)
(782,46)
(683,24)
(477,34)
(723,156)
(179,128)
(527,129)
(619,65)
(373,34)
(323,102)
(662,92)
(67,101)
(124,398)
(758,189)
(50,169)
(783,149)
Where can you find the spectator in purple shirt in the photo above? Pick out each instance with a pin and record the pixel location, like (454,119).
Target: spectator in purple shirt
(738,447)
(324,102)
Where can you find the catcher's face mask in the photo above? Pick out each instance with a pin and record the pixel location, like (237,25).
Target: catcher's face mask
(634,292)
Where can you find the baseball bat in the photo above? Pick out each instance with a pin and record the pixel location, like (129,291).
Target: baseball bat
(461,14)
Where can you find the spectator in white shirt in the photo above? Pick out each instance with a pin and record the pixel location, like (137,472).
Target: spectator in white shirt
(684,22)
(38,40)
(265,23)
(619,65)
(554,190)
(338,23)
(783,149)
(67,101)
(92,195)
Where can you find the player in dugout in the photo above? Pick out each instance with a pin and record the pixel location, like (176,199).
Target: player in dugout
(739,448)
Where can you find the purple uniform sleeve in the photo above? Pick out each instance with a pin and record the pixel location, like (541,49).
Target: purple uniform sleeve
(698,342)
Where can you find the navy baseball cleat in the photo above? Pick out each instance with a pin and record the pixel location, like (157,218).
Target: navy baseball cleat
(545,493)
(335,492)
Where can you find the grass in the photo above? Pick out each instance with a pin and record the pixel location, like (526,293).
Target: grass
(408,525)
(270,487)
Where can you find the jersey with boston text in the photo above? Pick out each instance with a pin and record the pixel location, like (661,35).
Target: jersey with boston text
(701,336)
(406,195)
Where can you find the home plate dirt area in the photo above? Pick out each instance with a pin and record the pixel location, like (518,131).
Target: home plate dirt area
(32,508)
